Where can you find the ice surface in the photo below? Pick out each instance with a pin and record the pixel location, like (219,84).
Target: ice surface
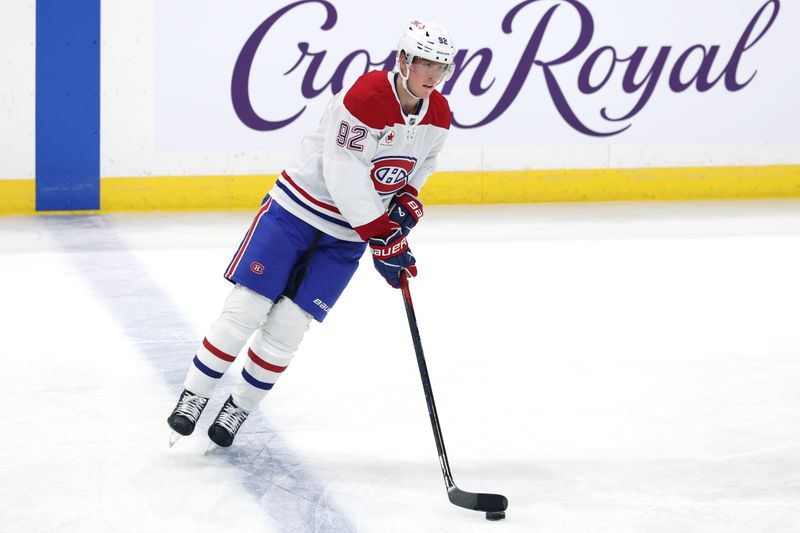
(608,367)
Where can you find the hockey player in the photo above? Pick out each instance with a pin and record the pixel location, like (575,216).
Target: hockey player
(354,184)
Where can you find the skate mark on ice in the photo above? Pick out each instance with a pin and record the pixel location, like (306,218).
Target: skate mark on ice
(270,472)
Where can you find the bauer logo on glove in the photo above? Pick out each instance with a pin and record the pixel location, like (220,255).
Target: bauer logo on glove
(390,250)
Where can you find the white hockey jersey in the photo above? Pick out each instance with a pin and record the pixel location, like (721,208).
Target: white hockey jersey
(364,151)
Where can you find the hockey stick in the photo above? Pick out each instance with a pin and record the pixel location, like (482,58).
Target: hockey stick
(494,505)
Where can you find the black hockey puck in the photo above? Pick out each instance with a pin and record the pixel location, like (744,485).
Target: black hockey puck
(496,515)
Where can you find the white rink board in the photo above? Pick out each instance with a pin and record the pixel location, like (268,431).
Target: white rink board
(727,124)
(17,81)
(167,69)
(194,73)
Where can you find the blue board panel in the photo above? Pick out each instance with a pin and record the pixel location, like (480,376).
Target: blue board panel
(67,104)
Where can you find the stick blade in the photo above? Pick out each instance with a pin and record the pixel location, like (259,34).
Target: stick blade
(477,501)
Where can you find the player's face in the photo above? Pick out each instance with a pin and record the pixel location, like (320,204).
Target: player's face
(424,75)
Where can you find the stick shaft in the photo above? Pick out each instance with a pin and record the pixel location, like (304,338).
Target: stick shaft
(426,382)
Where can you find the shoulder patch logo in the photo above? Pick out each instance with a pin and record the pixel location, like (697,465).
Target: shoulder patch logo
(390,174)
(389,138)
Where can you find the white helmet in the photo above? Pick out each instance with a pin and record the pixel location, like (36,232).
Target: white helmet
(430,41)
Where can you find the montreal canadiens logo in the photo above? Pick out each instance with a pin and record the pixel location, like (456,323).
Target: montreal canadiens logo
(390,174)
(257,267)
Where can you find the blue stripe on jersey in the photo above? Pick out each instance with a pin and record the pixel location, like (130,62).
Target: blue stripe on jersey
(254,382)
(205,370)
(336,221)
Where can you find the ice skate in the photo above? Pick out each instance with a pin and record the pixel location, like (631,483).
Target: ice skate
(184,417)
(227,424)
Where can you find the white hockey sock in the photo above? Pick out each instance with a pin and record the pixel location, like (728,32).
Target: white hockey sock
(243,312)
(271,352)
(259,374)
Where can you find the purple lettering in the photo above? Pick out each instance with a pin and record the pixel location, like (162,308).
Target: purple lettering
(649,82)
(476,82)
(584,78)
(557,95)
(240,82)
(336,82)
(745,44)
(700,78)
(528,59)
(596,70)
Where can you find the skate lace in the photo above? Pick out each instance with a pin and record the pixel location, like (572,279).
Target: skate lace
(191,407)
(232,417)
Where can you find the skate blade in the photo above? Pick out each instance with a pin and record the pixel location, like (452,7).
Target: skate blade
(174,436)
(211,448)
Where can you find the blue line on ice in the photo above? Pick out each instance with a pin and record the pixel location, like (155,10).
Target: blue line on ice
(285,492)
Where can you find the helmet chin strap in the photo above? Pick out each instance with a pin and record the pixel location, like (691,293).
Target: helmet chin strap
(405,79)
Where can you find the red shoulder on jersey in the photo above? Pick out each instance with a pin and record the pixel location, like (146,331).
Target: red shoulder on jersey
(371,100)
(438,111)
